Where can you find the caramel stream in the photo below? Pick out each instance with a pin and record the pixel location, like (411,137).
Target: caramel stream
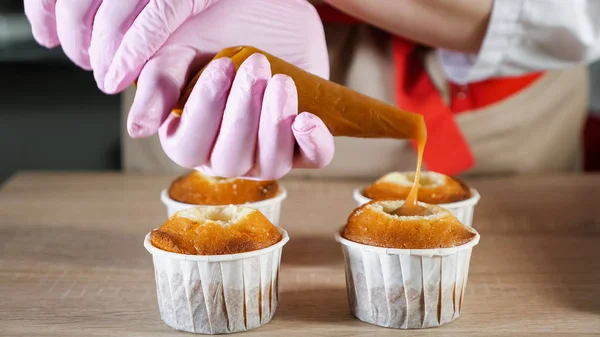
(410,206)
(346,112)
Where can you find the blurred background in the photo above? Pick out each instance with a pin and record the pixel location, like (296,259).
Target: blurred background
(52,116)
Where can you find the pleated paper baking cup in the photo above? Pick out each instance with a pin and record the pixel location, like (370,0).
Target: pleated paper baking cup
(271,208)
(462,210)
(405,288)
(217,294)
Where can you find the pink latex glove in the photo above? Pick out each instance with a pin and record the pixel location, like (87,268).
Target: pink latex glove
(111,35)
(249,132)
(245,124)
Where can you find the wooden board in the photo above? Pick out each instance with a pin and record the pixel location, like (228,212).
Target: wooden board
(72,261)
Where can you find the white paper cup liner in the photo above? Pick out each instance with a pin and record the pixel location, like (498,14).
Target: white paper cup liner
(271,208)
(217,294)
(462,210)
(406,288)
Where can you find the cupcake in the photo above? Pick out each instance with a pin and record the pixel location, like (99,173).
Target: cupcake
(216,268)
(435,188)
(197,188)
(406,272)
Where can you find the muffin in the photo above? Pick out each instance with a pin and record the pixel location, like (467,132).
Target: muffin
(434,188)
(216,268)
(406,272)
(375,225)
(197,188)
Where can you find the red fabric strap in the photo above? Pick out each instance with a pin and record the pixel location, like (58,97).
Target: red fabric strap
(464,98)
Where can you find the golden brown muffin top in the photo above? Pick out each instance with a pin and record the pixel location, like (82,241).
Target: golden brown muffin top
(372,224)
(199,189)
(215,230)
(435,188)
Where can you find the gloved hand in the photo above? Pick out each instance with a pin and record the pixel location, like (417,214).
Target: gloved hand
(252,128)
(245,124)
(110,37)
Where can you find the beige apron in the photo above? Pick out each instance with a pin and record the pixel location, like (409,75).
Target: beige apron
(535,131)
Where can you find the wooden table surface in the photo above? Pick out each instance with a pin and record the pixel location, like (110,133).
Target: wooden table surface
(72,261)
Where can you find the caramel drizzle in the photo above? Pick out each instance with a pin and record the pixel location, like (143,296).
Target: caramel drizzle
(410,206)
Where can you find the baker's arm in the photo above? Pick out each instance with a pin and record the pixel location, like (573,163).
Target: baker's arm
(451,24)
(491,38)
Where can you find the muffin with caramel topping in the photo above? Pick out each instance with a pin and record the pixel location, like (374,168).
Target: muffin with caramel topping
(434,188)
(197,188)
(406,271)
(374,224)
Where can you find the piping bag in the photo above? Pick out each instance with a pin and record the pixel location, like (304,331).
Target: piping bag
(344,111)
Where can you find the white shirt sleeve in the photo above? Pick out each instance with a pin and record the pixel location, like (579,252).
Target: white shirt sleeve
(530,35)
